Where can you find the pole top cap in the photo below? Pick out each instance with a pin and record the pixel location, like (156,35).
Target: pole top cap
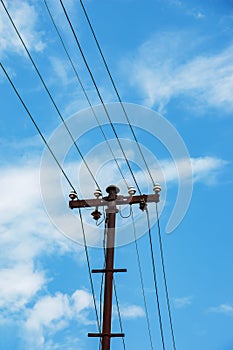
(112,188)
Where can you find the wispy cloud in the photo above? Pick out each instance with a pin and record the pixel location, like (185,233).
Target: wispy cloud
(9,42)
(183,302)
(131,311)
(204,170)
(161,74)
(225,309)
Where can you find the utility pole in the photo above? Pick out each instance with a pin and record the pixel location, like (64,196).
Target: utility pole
(111,201)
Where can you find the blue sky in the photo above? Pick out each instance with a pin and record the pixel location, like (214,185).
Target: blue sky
(174,57)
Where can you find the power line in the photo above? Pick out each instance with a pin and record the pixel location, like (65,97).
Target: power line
(89,271)
(155,279)
(116,90)
(37,127)
(99,94)
(84,90)
(114,287)
(119,313)
(165,278)
(141,280)
(102,276)
(48,92)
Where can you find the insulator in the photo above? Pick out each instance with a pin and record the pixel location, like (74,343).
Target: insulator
(157,188)
(73,195)
(96,215)
(131,190)
(98,193)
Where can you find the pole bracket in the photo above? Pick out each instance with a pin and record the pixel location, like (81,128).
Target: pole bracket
(108,270)
(101,335)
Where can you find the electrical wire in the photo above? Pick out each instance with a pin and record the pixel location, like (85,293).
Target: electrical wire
(84,90)
(104,266)
(116,90)
(114,286)
(48,92)
(89,271)
(63,172)
(127,216)
(141,280)
(119,313)
(99,94)
(155,279)
(165,279)
(37,127)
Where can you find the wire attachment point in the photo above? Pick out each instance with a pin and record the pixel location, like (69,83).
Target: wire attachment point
(143,205)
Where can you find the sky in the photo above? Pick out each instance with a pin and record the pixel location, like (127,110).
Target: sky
(172,63)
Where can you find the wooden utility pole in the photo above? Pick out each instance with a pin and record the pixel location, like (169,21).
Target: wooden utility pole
(111,202)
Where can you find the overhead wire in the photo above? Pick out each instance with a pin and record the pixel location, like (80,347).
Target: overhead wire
(49,94)
(84,91)
(126,216)
(114,286)
(116,90)
(165,278)
(99,94)
(89,271)
(155,279)
(37,127)
(44,140)
(66,177)
(119,313)
(142,281)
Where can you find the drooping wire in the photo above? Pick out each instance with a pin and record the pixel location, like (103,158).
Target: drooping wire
(37,127)
(165,279)
(116,90)
(127,216)
(141,280)
(63,172)
(155,279)
(114,285)
(84,90)
(99,95)
(104,266)
(49,94)
(89,272)
(119,312)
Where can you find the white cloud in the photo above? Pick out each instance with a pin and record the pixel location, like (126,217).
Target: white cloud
(26,236)
(61,69)
(204,169)
(225,309)
(19,11)
(51,314)
(82,300)
(132,311)
(161,73)
(183,302)
(18,285)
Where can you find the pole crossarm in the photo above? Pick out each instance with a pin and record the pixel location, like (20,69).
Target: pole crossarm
(101,335)
(120,200)
(109,270)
